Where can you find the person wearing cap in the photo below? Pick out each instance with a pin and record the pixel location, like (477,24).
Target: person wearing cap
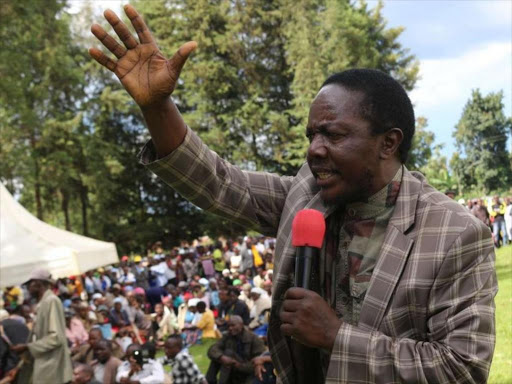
(140,272)
(262,303)
(245,295)
(96,300)
(47,343)
(118,316)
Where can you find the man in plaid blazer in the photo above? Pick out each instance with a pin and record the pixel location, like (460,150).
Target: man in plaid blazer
(427,313)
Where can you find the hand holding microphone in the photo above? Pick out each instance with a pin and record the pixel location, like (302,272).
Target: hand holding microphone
(305,315)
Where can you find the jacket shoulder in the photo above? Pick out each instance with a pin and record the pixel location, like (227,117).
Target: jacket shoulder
(434,206)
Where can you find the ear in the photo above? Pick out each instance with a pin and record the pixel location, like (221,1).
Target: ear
(391,141)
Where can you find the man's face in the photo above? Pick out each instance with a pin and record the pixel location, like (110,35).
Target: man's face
(223,296)
(94,337)
(34,287)
(80,376)
(117,307)
(102,353)
(172,348)
(342,154)
(255,296)
(235,327)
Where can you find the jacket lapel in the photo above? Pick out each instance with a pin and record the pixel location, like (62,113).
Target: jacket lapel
(393,255)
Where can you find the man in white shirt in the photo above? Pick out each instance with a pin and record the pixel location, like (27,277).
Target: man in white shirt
(164,271)
(138,369)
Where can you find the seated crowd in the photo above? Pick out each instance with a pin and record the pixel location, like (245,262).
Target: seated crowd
(120,318)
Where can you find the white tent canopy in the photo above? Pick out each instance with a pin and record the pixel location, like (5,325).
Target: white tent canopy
(27,243)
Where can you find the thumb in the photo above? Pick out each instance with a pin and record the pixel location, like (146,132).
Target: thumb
(177,62)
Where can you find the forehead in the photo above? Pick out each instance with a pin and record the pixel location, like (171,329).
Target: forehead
(335,102)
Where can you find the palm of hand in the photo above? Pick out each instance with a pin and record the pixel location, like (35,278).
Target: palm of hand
(143,70)
(146,74)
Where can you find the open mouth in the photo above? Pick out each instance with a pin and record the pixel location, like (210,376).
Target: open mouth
(324,175)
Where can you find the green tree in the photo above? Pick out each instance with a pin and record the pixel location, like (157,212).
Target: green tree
(324,37)
(481,134)
(259,64)
(422,146)
(438,174)
(70,133)
(40,93)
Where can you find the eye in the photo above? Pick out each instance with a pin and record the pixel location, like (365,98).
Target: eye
(334,135)
(310,136)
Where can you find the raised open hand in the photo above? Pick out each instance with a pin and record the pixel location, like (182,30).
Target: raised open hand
(143,70)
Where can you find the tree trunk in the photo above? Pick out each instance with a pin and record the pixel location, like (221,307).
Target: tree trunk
(37,184)
(83,199)
(65,208)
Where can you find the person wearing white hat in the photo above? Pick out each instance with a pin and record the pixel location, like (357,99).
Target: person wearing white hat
(48,345)
(262,303)
(192,317)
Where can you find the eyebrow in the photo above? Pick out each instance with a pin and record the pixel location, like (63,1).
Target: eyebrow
(325,125)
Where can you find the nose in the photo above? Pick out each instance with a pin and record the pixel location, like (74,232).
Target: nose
(317,147)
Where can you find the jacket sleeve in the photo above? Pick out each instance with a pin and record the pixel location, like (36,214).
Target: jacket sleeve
(217,350)
(257,348)
(55,334)
(461,333)
(251,199)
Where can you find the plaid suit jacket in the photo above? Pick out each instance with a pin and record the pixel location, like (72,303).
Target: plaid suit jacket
(428,315)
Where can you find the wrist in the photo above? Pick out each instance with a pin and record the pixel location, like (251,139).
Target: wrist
(156,106)
(331,333)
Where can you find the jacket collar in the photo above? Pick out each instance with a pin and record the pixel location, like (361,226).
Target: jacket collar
(393,255)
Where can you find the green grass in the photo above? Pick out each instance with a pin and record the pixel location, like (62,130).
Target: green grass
(198,352)
(501,369)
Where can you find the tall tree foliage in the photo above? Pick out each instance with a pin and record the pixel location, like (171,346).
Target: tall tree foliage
(481,136)
(422,146)
(248,87)
(40,93)
(70,133)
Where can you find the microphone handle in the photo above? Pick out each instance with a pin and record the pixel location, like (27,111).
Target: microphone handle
(303,265)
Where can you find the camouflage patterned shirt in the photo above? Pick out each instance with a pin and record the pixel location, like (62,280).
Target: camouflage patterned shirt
(355,235)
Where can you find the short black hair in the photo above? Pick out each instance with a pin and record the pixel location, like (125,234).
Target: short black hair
(106,343)
(385,104)
(150,347)
(175,338)
(201,305)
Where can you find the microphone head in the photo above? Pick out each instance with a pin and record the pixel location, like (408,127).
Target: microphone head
(308,229)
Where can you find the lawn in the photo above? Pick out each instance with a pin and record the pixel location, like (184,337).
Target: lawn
(501,369)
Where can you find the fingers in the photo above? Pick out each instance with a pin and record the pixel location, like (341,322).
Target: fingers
(287,317)
(140,27)
(103,59)
(291,305)
(108,41)
(177,62)
(296,293)
(121,29)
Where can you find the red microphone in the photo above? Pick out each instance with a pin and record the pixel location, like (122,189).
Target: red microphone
(308,231)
